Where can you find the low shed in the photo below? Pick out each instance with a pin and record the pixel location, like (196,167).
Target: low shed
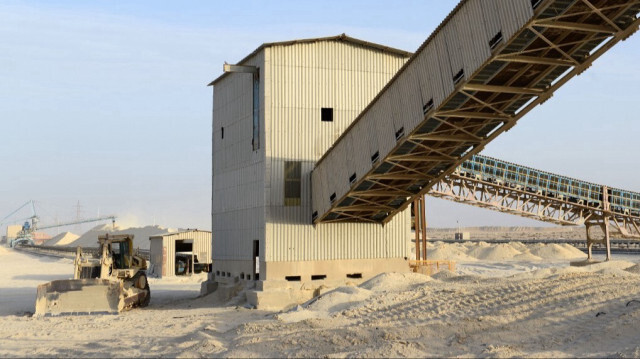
(164,248)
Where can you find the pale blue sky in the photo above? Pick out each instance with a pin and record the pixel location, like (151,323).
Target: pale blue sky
(105,102)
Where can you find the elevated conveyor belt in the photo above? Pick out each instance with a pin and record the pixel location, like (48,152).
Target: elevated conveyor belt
(507,187)
(485,66)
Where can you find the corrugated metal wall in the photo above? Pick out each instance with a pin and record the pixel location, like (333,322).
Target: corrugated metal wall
(238,170)
(462,43)
(155,255)
(301,79)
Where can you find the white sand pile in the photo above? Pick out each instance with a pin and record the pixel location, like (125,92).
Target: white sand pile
(140,239)
(556,251)
(344,298)
(62,239)
(614,267)
(394,282)
(498,252)
(446,251)
(634,269)
(514,251)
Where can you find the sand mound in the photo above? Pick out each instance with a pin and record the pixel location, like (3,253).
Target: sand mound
(556,251)
(498,252)
(140,239)
(394,282)
(443,251)
(444,275)
(340,299)
(514,251)
(634,269)
(62,239)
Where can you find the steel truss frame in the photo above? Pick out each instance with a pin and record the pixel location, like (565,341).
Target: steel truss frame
(482,108)
(506,198)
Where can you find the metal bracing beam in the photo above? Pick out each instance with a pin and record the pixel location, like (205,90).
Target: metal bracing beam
(407,193)
(378,193)
(419,157)
(505,89)
(443,137)
(565,25)
(554,46)
(359,208)
(534,60)
(399,176)
(469,114)
(602,16)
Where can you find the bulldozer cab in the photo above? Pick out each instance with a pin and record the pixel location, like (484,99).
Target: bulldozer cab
(120,251)
(118,258)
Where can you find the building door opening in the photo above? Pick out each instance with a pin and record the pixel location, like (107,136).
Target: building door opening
(184,257)
(256,259)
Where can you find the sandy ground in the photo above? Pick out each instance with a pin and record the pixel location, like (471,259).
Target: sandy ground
(485,309)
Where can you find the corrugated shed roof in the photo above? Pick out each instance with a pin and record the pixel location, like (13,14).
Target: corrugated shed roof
(178,233)
(341,37)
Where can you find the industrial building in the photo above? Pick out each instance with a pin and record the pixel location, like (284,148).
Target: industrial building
(321,145)
(274,115)
(165,250)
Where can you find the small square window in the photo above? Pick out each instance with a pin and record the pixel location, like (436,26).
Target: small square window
(327,114)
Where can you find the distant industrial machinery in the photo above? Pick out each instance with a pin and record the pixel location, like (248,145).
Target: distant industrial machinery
(30,224)
(524,191)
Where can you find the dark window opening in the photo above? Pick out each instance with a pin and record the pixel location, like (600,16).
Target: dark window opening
(458,77)
(354,275)
(292,183)
(352,178)
(248,276)
(256,260)
(222,132)
(223,274)
(228,274)
(495,40)
(318,277)
(314,216)
(535,3)
(217,272)
(326,114)
(375,157)
(399,133)
(293,278)
(332,198)
(242,275)
(427,107)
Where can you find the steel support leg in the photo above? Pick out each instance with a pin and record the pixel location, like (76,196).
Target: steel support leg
(607,244)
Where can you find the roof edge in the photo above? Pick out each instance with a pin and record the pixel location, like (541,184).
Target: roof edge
(342,37)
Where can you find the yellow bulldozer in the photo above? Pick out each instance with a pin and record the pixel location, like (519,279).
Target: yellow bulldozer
(113,281)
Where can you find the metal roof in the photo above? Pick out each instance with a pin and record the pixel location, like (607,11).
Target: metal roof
(342,37)
(177,233)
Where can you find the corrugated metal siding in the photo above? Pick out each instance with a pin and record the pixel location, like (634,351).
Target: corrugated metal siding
(170,245)
(238,171)
(155,255)
(462,43)
(302,79)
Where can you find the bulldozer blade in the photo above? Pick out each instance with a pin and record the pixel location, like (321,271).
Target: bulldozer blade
(79,296)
